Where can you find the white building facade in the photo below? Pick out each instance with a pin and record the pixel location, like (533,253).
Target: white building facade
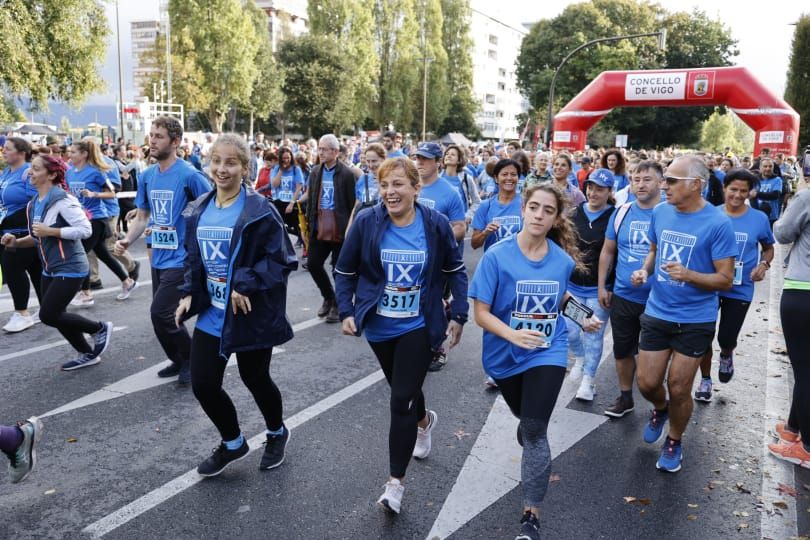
(285,18)
(497,45)
(143,35)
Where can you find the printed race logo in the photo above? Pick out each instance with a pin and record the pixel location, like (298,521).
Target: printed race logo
(215,249)
(76,189)
(507,226)
(162,211)
(430,203)
(328,194)
(536,308)
(742,239)
(402,292)
(639,240)
(677,248)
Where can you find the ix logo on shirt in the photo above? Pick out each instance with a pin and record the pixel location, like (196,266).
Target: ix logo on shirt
(401,295)
(162,206)
(507,226)
(675,247)
(639,238)
(535,308)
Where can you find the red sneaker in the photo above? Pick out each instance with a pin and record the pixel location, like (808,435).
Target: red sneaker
(791,452)
(785,434)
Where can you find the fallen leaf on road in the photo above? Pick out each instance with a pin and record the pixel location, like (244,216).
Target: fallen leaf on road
(73,439)
(742,526)
(691,517)
(460,434)
(630,500)
(645,502)
(742,489)
(554,478)
(786,490)
(690,505)
(50,492)
(780,504)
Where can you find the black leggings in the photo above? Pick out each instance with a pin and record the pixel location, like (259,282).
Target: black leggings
(405,361)
(794,311)
(207,371)
(57,292)
(15,264)
(97,245)
(291,219)
(732,317)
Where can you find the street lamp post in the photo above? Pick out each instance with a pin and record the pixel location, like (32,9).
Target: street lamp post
(120,75)
(662,41)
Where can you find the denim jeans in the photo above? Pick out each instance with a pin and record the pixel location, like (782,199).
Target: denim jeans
(587,347)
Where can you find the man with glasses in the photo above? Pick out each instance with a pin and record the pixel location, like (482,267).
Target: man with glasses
(691,257)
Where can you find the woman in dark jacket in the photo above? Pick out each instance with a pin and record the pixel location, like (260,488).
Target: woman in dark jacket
(239,257)
(389,284)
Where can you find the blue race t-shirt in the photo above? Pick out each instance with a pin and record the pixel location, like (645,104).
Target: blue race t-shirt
(750,229)
(114,176)
(397,153)
(403,252)
(523,294)
(328,189)
(15,192)
(444,198)
(91,179)
(455,181)
(633,246)
(768,185)
(695,240)
(373,189)
(620,182)
(290,179)
(166,194)
(507,216)
(214,232)
(488,185)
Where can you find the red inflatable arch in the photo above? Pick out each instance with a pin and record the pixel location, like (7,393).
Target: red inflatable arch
(776,124)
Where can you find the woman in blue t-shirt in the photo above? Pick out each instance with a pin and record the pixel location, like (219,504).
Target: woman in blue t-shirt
(86,180)
(367,190)
(751,231)
(499,217)
(288,185)
(614,161)
(15,193)
(519,289)
(236,268)
(389,281)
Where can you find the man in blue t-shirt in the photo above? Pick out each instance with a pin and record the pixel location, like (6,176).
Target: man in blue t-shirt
(628,239)
(164,191)
(769,196)
(692,250)
(389,142)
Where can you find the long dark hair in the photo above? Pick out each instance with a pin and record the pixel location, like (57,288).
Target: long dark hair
(563,232)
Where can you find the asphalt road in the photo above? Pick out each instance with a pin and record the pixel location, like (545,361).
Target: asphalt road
(121,462)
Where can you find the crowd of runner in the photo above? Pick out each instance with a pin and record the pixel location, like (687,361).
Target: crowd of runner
(662,247)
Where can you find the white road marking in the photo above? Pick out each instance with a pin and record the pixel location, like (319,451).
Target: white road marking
(160,495)
(775,522)
(7,305)
(146,379)
(45,347)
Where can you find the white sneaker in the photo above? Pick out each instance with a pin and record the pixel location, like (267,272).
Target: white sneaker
(126,291)
(35,318)
(423,442)
(576,371)
(82,301)
(490,383)
(391,499)
(586,389)
(18,323)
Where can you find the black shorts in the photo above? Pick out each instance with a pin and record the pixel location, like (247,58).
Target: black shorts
(732,317)
(625,323)
(689,339)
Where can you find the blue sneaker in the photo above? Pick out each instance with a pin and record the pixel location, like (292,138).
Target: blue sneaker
(101,339)
(83,361)
(654,429)
(671,457)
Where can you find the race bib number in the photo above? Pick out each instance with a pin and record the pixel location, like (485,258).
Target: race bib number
(536,308)
(738,273)
(217,290)
(399,302)
(545,323)
(164,238)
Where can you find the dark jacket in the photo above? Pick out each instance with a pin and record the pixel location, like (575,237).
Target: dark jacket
(344,196)
(261,259)
(63,254)
(591,238)
(360,278)
(715,195)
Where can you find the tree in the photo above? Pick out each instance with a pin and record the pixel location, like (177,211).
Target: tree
(265,95)
(51,50)
(459,45)
(693,40)
(798,77)
(316,83)
(431,47)
(718,133)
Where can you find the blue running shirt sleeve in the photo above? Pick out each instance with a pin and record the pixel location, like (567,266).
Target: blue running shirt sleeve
(750,229)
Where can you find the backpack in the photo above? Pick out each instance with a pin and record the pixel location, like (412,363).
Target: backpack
(621,213)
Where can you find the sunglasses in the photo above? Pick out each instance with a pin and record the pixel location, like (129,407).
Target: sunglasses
(672,180)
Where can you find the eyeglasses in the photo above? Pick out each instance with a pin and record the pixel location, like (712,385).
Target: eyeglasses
(672,180)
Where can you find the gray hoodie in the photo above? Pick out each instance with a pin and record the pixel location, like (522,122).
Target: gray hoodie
(794,227)
(63,255)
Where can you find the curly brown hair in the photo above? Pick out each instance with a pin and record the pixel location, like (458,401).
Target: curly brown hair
(563,232)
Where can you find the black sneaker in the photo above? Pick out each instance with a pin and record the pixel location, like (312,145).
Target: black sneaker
(619,408)
(274,450)
(333,316)
(325,307)
(101,339)
(172,370)
(220,458)
(529,527)
(184,376)
(136,272)
(96,285)
(439,360)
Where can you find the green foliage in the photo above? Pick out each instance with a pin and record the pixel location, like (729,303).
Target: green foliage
(718,133)
(693,40)
(458,44)
(431,46)
(316,84)
(51,50)
(798,77)
(265,96)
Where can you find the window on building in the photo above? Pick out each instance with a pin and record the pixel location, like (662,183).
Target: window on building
(501,86)
(501,72)
(499,114)
(493,39)
(490,98)
(492,54)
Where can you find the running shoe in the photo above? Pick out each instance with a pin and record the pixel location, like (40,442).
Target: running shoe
(274,450)
(85,360)
(96,285)
(654,429)
(576,372)
(136,271)
(519,436)
(35,318)
(439,360)
(620,407)
(423,440)
(102,339)
(24,458)
(323,311)
(18,323)
(126,291)
(333,316)
(791,452)
(220,458)
(784,434)
(82,300)
(490,383)
(391,498)
(704,391)
(671,457)
(184,375)
(172,370)
(726,368)
(586,389)
(529,527)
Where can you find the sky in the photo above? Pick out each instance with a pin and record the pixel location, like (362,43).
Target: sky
(763,41)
